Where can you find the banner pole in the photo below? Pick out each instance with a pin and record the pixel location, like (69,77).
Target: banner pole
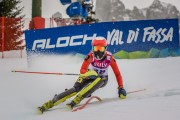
(2,36)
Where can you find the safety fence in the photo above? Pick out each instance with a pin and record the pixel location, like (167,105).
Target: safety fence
(12,36)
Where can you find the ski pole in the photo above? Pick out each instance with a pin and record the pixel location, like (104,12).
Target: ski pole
(136,91)
(53,73)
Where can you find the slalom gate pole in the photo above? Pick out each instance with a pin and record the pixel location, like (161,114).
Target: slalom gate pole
(99,99)
(52,73)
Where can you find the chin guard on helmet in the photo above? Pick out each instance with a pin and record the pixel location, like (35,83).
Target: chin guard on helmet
(99,46)
(98,54)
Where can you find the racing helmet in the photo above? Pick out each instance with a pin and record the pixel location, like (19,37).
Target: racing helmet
(99,47)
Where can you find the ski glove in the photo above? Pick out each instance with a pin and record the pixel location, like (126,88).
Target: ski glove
(122,93)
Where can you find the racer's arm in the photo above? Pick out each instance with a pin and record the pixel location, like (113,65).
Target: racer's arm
(85,64)
(116,72)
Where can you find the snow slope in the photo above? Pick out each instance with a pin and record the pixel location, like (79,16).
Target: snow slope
(22,93)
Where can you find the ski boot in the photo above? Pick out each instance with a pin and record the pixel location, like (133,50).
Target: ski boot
(57,99)
(40,110)
(45,107)
(71,105)
(74,102)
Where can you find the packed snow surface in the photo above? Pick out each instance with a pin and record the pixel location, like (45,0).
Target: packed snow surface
(22,93)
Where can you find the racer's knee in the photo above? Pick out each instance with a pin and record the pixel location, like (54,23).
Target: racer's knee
(105,80)
(78,86)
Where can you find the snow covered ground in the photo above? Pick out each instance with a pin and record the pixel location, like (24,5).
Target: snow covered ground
(22,93)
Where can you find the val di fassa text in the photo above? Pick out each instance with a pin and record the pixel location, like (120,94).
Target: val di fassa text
(114,37)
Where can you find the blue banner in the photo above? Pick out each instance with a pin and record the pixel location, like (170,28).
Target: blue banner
(125,35)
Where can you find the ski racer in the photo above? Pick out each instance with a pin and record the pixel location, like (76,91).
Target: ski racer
(93,75)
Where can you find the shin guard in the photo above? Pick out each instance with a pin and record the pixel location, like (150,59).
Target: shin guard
(97,83)
(63,96)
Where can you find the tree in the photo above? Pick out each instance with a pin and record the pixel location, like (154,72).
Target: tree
(103,9)
(13,24)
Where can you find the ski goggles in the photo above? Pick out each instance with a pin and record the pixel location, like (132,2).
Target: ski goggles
(100,48)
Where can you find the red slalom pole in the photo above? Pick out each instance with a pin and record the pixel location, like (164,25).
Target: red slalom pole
(52,73)
(87,102)
(99,99)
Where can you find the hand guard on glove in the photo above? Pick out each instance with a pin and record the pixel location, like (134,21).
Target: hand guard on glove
(122,93)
